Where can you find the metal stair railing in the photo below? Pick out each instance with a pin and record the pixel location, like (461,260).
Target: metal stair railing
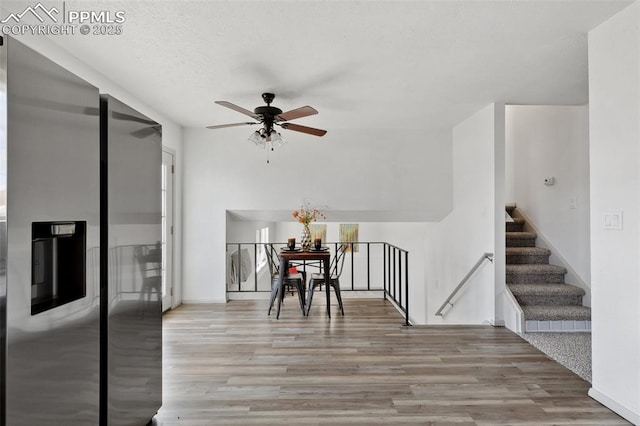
(485,256)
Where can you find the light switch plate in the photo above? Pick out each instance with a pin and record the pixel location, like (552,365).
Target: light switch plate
(613,220)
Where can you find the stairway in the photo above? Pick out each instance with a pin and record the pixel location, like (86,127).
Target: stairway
(548,303)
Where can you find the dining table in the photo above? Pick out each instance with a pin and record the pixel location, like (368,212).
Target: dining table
(286,256)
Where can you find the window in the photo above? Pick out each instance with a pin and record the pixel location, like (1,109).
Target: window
(262,237)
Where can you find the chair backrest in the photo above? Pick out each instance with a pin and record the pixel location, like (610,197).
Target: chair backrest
(338,261)
(149,260)
(272,259)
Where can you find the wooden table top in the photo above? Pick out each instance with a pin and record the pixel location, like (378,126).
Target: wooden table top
(302,255)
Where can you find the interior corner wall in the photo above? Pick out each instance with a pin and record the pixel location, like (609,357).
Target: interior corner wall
(454,244)
(552,141)
(614,126)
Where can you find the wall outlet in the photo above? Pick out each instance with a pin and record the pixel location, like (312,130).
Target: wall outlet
(549,181)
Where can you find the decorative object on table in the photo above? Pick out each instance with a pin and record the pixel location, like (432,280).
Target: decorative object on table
(349,236)
(317,243)
(291,243)
(268,116)
(305,215)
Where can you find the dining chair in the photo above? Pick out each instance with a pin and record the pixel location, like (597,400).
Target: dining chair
(150,263)
(318,279)
(290,280)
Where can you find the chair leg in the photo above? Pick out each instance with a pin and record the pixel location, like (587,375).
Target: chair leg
(301,297)
(336,288)
(312,286)
(274,293)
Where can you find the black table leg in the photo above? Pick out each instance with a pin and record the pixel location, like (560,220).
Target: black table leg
(327,278)
(283,268)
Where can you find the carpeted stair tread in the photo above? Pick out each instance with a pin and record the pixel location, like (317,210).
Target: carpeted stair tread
(521,239)
(534,274)
(546,290)
(556,313)
(521,235)
(524,255)
(510,208)
(535,269)
(547,294)
(535,251)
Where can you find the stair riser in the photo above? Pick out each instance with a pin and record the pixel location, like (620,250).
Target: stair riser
(521,259)
(521,242)
(535,278)
(550,301)
(514,227)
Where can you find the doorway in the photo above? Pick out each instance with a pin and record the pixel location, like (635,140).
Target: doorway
(168,170)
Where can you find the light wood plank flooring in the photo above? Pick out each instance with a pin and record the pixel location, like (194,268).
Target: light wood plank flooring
(233,365)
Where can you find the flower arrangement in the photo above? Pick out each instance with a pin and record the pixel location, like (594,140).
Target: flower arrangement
(306,215)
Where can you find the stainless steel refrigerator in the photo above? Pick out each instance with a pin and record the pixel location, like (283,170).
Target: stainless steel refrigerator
(80,310)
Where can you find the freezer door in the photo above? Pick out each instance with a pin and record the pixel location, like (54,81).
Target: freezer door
(3,223)
(53,157)
(132,220)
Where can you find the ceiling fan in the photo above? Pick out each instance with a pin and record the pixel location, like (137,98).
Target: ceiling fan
(269,116)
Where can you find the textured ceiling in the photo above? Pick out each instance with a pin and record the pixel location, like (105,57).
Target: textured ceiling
(362,64)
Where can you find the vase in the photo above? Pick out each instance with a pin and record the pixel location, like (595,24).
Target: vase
(305,240)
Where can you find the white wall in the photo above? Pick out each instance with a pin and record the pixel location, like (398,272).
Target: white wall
(455,244)
(171,131)
(404,172)
(552,141)
(614,117)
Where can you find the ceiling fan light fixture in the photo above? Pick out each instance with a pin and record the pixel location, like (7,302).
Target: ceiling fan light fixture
(257,139)
(277,139)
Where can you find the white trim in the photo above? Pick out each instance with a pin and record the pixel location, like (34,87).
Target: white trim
(614,406)
(514,316)
(553,326)
(203,301)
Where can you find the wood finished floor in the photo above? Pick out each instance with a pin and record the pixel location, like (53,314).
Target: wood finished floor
(233,365)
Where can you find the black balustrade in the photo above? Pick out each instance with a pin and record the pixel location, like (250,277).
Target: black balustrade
(370,266)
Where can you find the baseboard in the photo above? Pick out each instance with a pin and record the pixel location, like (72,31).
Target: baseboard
(551,326)
(202,301)
(248,295)
(614,406)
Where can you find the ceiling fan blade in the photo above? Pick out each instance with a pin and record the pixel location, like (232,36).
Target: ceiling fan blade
(303,129)
(222,126)
(239,109)
(304,111)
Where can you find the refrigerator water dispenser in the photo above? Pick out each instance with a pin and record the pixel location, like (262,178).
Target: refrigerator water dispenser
(58,259)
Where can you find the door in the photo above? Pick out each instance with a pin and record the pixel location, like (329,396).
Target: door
(167,228)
